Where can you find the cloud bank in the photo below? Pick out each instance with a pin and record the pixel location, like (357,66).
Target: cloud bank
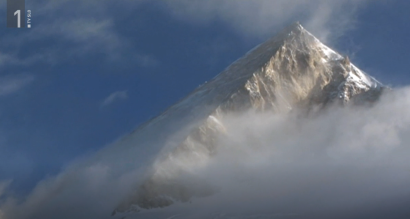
(344,162)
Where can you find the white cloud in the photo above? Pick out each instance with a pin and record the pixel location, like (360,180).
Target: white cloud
(78,27)
(114,97)
(326,19)
(351,160)
(89,34)
(12,83)
(90,27)
(7,59)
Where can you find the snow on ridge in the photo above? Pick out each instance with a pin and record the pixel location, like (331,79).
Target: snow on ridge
(292,66)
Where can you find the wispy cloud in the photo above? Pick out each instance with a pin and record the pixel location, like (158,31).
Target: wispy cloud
(79,28)
(3,187)
(89,26)
(146,60)
(13,83)
(5,59)
(114,97)
(84,34)
(326,19)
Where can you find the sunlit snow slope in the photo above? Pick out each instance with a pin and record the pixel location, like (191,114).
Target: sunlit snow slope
(291,70)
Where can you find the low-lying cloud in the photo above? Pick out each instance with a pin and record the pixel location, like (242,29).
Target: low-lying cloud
(343,162)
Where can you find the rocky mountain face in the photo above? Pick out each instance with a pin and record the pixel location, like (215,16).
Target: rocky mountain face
(291,70)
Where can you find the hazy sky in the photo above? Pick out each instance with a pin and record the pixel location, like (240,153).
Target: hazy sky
(88,72)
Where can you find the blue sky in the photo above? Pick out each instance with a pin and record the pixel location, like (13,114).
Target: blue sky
(88,72)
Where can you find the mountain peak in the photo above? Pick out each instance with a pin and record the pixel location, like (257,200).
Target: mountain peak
(293,30)
(296,26)
(291,70)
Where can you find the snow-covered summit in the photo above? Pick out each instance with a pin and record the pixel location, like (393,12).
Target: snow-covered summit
(291,70)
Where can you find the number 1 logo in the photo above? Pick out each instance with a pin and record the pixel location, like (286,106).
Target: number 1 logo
(18,13)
